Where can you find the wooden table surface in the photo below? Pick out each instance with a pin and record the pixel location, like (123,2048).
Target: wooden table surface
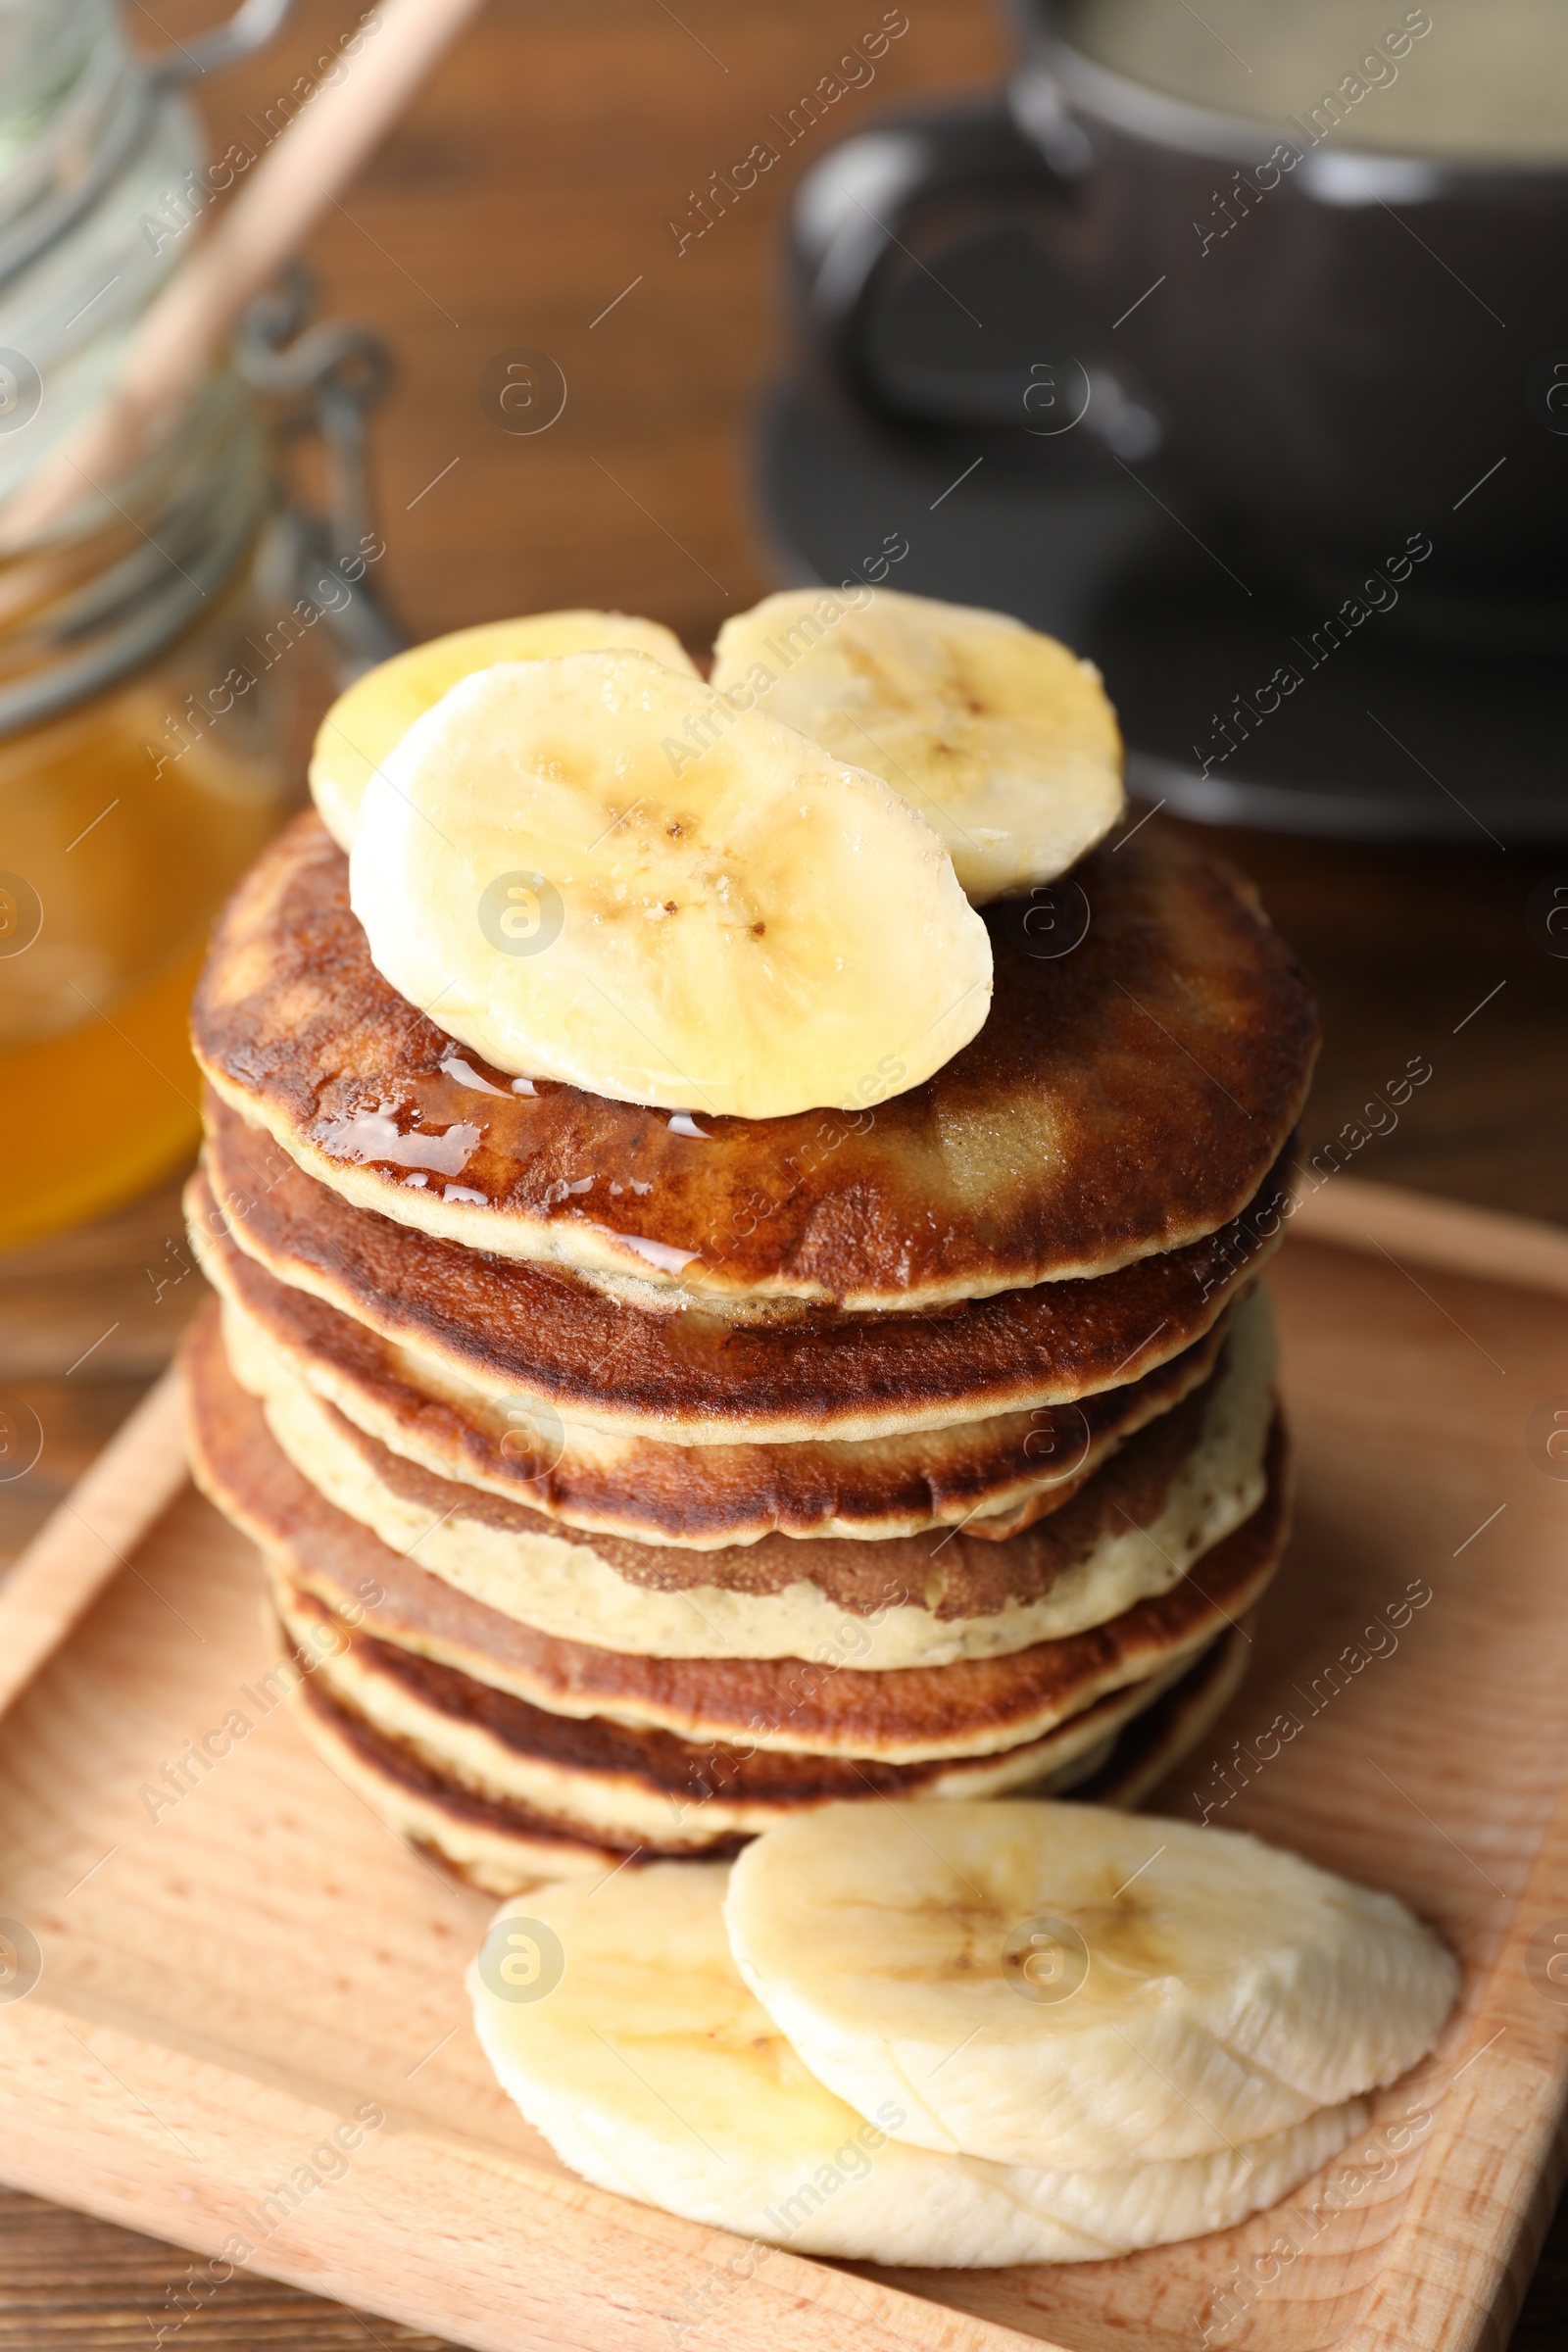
(531,186)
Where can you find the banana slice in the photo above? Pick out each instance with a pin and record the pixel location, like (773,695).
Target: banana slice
(615,2017)
(1000,736)
(593,869)
(1052,1984)
(372,717)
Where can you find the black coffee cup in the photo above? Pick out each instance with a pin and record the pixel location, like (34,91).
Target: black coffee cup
(1316,352)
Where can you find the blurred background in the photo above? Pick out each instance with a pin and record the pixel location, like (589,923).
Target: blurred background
(571,347)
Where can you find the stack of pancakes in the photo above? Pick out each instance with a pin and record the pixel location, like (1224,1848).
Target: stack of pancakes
(630,1481)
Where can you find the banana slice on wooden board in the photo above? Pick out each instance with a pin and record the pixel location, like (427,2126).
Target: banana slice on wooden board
(1052,1984)
(1000,736)
(591,869)
(371,718)
(615,2017)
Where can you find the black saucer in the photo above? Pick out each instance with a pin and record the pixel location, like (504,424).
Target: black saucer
(1405,725)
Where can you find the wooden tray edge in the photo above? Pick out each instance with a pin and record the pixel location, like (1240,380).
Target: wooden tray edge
(1495,2164)
(614,2265)
(1348,1213)
(91,1535)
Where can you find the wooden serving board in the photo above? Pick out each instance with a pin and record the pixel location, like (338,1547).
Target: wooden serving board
(229,1977)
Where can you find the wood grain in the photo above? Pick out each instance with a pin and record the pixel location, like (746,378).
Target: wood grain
(91,1537)
(224,1982)
(71,2284)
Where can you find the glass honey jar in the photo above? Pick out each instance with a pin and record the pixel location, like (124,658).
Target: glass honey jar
(138,778)
(157,644)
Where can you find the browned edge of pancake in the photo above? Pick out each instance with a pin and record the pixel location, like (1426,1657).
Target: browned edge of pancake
(508,1846)
(1148,1748)
(955,1577)
(1127,1098)
(926,1714)
(1049,1685)
(699,1495)
(710,1805)
(504,1848)
(523,1332)
(952,1576)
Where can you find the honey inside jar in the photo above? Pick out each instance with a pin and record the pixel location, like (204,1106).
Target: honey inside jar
(158,618)
(152,647)
(126,867)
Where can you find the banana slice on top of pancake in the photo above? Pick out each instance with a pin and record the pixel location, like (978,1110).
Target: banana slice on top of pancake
(371,717)
(1050,1983)
(613,2015)
(1000,736)
(594,869)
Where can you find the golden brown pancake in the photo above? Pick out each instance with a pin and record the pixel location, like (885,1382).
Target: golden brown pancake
(1122,1101)
(498,1849)
(407,1649)
(533,1335)
(995,1477)
(792,1706)
(1180,1488)
(504,1848)
(910,1601)
(917,1716)
(908,1596)
(604,1780)
(1147,1749)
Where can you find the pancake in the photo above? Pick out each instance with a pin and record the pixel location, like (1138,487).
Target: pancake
(1121,1102)
(536,1338)
(503,1848)
(789,1707)
(327,1561)
(498,1849)
(993,1477)
(629,1784)
(1180,1488)
(1146,1751)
